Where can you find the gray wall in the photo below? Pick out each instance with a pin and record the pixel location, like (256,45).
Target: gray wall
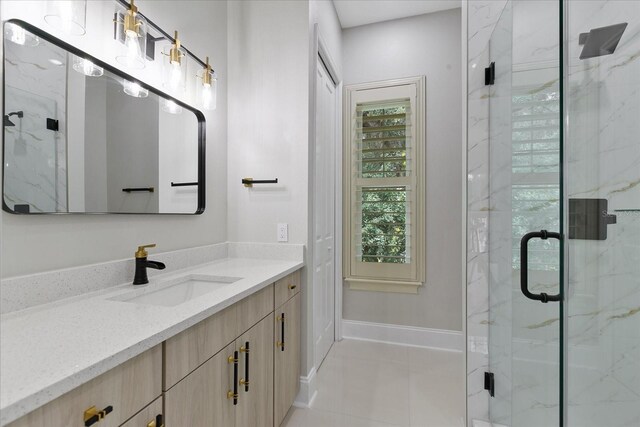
(423,45)
(60,241)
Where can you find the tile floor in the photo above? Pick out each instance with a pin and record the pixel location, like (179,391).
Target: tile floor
(369,384)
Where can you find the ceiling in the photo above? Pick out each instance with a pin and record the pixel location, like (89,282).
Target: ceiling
(360,12)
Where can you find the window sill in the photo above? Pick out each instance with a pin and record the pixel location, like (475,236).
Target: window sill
(373,285)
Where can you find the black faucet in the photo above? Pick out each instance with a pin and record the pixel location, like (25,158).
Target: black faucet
(140,278)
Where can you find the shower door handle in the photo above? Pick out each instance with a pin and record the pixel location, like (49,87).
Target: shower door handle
(524,267)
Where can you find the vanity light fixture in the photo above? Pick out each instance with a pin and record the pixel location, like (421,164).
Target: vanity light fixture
(19,35)
(87,67)
(174,66)
(207,87)
(131,31)
(134,89)
(68,16)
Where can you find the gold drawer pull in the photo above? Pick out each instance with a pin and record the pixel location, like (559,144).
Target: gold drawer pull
(292,287)
(92,415)
(157,422)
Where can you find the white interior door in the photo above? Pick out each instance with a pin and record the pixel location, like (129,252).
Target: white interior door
(324,214)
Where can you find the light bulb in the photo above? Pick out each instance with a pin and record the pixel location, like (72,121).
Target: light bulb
(134,89)
(68,16)
(132,48)
(175,74)
(171,107)
(209,95)
(20,36)
(87,67)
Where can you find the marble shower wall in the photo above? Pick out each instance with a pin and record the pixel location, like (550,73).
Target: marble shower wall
(35,157)
(482,16)
(603,161)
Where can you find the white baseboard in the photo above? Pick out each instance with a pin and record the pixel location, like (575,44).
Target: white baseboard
(439,339)
(308,390)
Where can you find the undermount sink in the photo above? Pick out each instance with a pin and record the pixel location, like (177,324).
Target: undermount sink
(177,291)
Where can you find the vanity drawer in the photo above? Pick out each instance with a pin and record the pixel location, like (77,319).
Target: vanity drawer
(147,416)
(287,287)
(184,352)
(126,389)
(254,308)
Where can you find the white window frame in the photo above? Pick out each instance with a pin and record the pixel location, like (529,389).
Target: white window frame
(400,278)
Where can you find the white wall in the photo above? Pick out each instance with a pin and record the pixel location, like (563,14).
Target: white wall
(323,13)
(268,77)
(268,125)
(423,45)
(71,240)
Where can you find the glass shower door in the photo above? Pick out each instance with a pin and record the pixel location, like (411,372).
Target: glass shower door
(524,179)
(602,181)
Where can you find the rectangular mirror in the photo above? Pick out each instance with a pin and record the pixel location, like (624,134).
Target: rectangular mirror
(81,136)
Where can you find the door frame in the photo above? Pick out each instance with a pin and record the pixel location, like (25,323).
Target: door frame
(320,51)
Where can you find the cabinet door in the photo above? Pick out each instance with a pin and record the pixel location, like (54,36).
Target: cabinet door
(287,287)
(254,308)
(147,416)
(286,357)
(255,400)
(189,349)
(200,399)
(125,390)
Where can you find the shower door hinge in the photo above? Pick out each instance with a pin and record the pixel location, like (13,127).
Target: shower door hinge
(489,383)
(490,74)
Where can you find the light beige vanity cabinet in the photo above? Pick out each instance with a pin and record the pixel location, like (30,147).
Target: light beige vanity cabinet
(184,352)
(286,357)
(201,398)
(151,416)
(127,389)
(218,393)
(255,399)
(238,368)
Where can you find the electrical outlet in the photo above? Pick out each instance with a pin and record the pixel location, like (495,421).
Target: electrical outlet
(283,232)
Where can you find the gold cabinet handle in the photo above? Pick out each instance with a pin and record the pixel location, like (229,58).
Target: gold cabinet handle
(92,415)
(292,287)
(157,422)
(233,394)
(245,381)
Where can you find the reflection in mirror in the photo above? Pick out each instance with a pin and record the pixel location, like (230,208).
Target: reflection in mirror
(82,137)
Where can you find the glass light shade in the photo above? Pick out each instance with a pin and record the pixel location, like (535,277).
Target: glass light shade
(68,16)
(19,35)
(87,67)
(134,89)
(174,73)
(207,92)
(132,51)
(170,106)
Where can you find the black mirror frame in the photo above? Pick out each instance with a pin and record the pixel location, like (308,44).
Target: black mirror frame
(77,52)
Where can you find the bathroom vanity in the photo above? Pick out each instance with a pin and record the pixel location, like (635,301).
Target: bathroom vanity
(227,357)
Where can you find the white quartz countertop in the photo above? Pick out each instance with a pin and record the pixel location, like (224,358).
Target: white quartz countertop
(51,349)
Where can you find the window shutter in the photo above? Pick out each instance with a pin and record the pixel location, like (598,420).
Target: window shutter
(384,186)
(383,153)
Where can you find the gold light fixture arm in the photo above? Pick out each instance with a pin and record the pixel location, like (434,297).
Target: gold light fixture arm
(131,23)
(206,76)
(175,56)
